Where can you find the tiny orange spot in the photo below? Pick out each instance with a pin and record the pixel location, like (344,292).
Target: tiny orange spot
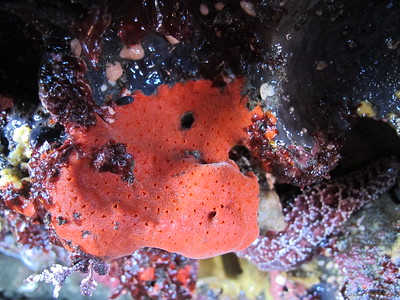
(147,274)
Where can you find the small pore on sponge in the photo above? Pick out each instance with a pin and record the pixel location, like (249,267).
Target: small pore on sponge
(186,195)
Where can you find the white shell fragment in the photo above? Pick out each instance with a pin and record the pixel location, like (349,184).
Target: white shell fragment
(266,90)
(134,52)
(248,8)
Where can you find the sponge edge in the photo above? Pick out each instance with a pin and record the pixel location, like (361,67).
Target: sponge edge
(196,218)
(187,196)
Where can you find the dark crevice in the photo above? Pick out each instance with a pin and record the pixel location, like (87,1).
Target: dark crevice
(243,157)
(41,134)
(231,265)
(367,141)
(394,194)
(21,47)
(124,100)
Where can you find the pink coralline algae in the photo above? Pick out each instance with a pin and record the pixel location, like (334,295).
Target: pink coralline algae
(318,213)
(151,273)
(24,231)
(291,163)
(367,255)
(370,275)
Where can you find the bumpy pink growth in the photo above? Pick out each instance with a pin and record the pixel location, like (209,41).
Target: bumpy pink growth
(315,214)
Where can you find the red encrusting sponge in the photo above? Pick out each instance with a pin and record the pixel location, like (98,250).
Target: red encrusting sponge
(160,176)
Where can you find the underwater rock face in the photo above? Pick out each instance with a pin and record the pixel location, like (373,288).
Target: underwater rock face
(338,55)
(310,64)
